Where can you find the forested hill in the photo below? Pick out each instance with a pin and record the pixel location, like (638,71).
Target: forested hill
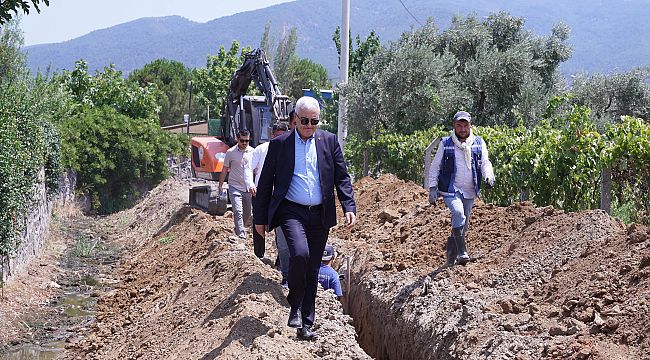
(606,35)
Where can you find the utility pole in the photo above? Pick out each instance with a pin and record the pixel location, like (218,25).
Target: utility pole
(343,81)
(189,109)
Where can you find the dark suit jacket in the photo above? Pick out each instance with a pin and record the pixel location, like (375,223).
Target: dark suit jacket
(277,173)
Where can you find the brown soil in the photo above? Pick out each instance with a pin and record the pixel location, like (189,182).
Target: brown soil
(546,284)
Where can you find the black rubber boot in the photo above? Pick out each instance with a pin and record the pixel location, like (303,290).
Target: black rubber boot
(452,251)
(459,238)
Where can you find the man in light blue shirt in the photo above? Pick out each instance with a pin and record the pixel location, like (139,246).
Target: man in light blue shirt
(302,170)
(305,185)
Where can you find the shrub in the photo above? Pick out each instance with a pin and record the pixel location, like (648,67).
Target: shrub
(115,156)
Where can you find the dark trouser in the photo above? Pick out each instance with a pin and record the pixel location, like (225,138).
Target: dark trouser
(258,244)
(306,237)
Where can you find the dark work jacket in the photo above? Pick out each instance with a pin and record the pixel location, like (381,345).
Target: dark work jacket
(277,173)
(448,166)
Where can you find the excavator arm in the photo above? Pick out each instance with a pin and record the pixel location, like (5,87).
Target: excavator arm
(250,112)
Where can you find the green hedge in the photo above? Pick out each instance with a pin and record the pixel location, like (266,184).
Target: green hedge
(27,144)
(558,162)
(115,155)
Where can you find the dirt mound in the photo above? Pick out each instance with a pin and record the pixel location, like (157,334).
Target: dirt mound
(191,290)
(547,284)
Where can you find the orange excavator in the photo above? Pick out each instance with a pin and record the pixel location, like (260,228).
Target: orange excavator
(254,113)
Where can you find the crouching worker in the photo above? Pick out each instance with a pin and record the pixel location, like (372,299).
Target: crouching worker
(456,173)
(327,276)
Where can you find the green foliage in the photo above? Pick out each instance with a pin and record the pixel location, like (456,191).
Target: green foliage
(627,153)
(171,80)
(12,59)
(267,41)
(115,156)
(29,140)
(290,71)
(9,6)
(615,95)
(358,56)
(85,246)
(493,68)
(393,153)
(212,82)
(27,144)
(558,162)
(284,55)
(304,73)
(168,239)
(110,89)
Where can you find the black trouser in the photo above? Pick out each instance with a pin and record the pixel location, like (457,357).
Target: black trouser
(306,237)
(258,244)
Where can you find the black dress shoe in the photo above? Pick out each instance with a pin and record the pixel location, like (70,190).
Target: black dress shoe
(305,333)
(295,318)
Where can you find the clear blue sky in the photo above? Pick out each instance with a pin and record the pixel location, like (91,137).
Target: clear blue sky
(67,19)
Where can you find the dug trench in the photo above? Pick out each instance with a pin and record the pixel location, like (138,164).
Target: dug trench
(546,284)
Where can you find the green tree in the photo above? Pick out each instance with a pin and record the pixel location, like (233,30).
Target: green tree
(364,49)
(171,79)
(358,57)
(30,109)
(284,56)
(493,68)
(109,88)
(116,156)
(12,59)
(615,95)
(304,73)
(212,82)
(9,6)
(402,87)
(267,41)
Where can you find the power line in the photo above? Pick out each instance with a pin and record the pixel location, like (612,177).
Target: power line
(409,11)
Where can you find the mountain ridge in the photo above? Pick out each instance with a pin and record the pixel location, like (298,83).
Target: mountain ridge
(607,36)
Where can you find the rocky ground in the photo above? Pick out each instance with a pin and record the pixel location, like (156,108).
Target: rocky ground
(545,284)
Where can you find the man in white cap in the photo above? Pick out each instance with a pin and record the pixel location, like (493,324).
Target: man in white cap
(456,173)
(327,276)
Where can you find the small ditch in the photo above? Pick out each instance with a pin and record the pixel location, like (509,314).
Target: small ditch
(86,266)
(48,351)
(385,332)
(378,332)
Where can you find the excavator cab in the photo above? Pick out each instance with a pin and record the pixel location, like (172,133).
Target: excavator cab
(255,115)
(208,153)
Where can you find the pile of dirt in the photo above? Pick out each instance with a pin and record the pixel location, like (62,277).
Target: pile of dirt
(189,289)
(547,284)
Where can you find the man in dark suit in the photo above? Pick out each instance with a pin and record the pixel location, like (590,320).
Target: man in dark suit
(296,192)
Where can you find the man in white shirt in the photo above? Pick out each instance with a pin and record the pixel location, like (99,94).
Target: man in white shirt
(236,163)
(457,171)
(257,163)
